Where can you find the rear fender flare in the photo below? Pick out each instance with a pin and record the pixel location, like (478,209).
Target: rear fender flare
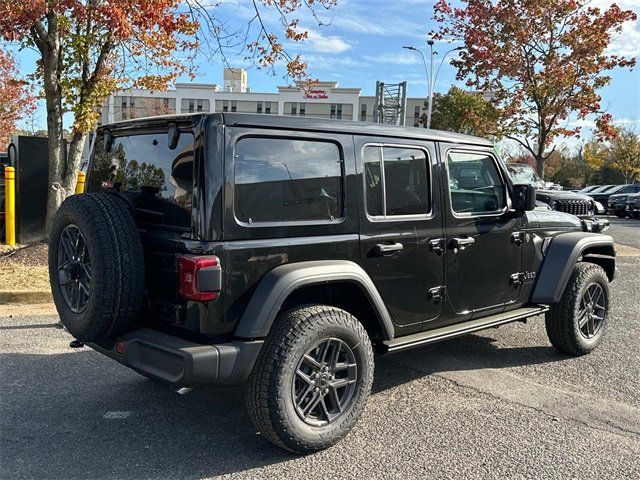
(279,283)
(561,256)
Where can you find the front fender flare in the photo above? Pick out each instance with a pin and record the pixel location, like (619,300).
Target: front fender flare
(279,283)
(560,258)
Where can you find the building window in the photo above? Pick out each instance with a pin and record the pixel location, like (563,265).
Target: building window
(294,109)
(416,116)
(303,109)
(225,105)
(199,105)
(128,104)
(363,112)
(283,180)
(336,111)
(259,108)
(267,107)
(191,105)
(234,105)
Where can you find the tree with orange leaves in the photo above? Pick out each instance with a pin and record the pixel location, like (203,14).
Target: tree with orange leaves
(16,100)
(544,61)
(89,49)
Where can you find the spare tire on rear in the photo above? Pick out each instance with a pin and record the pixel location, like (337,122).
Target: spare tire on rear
(96,266)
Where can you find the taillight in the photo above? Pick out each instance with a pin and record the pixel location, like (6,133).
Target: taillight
(200,277)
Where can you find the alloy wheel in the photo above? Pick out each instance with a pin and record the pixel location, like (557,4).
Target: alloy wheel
(592,311)
(74,269)
(324,382)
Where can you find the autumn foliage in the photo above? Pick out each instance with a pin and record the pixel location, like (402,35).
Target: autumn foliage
(16,100)
(543,60)
(90,49)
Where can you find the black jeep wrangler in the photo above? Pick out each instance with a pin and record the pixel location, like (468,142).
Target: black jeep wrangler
(283,252)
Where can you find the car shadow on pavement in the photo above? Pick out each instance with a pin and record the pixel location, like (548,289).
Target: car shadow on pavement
(80,415)
(471,352)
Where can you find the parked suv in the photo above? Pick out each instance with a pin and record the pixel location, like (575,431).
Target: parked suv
(616,203)
(632,206)
(282,252)
(575,203)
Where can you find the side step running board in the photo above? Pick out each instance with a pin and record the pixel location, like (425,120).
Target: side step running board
(450,331)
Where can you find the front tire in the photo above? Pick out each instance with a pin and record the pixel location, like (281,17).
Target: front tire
(312,379)
(577,323)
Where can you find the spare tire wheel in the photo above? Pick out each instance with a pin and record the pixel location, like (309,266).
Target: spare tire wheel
(96,266)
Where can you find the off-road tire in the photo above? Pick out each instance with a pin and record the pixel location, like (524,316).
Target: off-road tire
(562,322)
(270,400)
(117,264)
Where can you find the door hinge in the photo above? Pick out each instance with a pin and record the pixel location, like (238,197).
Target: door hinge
(437,294)
(517,279)
(518,238)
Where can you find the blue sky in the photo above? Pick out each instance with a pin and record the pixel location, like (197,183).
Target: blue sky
(361,41)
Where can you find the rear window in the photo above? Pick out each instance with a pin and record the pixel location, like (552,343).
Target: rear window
(286,180)
(144,164)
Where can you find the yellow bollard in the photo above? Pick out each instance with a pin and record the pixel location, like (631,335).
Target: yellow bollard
(10,205)
(80,182)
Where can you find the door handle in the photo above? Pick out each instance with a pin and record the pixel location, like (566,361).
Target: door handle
(386,248)
(461,243)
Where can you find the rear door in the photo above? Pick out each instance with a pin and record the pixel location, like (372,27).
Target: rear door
(401,227)
(483,244)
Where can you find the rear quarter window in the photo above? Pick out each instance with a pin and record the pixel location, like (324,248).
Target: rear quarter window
(287,180)
(143,164)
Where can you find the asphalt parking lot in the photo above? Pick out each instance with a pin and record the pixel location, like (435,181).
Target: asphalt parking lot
(501,403)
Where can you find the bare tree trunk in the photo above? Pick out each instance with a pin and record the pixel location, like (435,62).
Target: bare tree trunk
(74,159)
(53,93)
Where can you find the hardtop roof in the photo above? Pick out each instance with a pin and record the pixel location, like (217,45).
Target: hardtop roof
(311,124)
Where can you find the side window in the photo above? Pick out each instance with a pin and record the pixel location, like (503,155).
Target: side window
(475,183)
(285,180)
(396,181)
(145,164)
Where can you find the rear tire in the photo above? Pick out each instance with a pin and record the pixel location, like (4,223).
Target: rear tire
(577,323)
(96,266)
(296,368)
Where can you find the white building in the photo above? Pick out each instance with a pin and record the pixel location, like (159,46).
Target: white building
(323,100)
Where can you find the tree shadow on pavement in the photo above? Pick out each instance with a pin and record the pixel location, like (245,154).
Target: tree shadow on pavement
(80,415)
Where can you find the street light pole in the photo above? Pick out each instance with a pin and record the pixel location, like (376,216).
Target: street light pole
(431,78)
(431,83)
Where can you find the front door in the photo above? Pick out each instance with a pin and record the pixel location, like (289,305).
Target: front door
(401,227)
(482,252)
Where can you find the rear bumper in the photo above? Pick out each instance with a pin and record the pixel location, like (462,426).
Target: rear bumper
(182,363)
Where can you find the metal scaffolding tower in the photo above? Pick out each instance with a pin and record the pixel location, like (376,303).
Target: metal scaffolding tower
(391,103)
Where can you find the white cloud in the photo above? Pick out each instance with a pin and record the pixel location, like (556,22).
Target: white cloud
(395,58)
(318,42)
(628,42)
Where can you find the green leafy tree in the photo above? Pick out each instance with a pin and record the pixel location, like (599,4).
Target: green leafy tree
(463,112)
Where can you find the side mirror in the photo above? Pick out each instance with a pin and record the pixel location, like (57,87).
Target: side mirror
(524,197)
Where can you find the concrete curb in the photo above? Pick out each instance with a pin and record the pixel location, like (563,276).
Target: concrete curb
(26,298)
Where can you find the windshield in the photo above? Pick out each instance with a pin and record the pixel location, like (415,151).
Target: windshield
(613,189)
(525,174)
(592,188)
(601,189)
